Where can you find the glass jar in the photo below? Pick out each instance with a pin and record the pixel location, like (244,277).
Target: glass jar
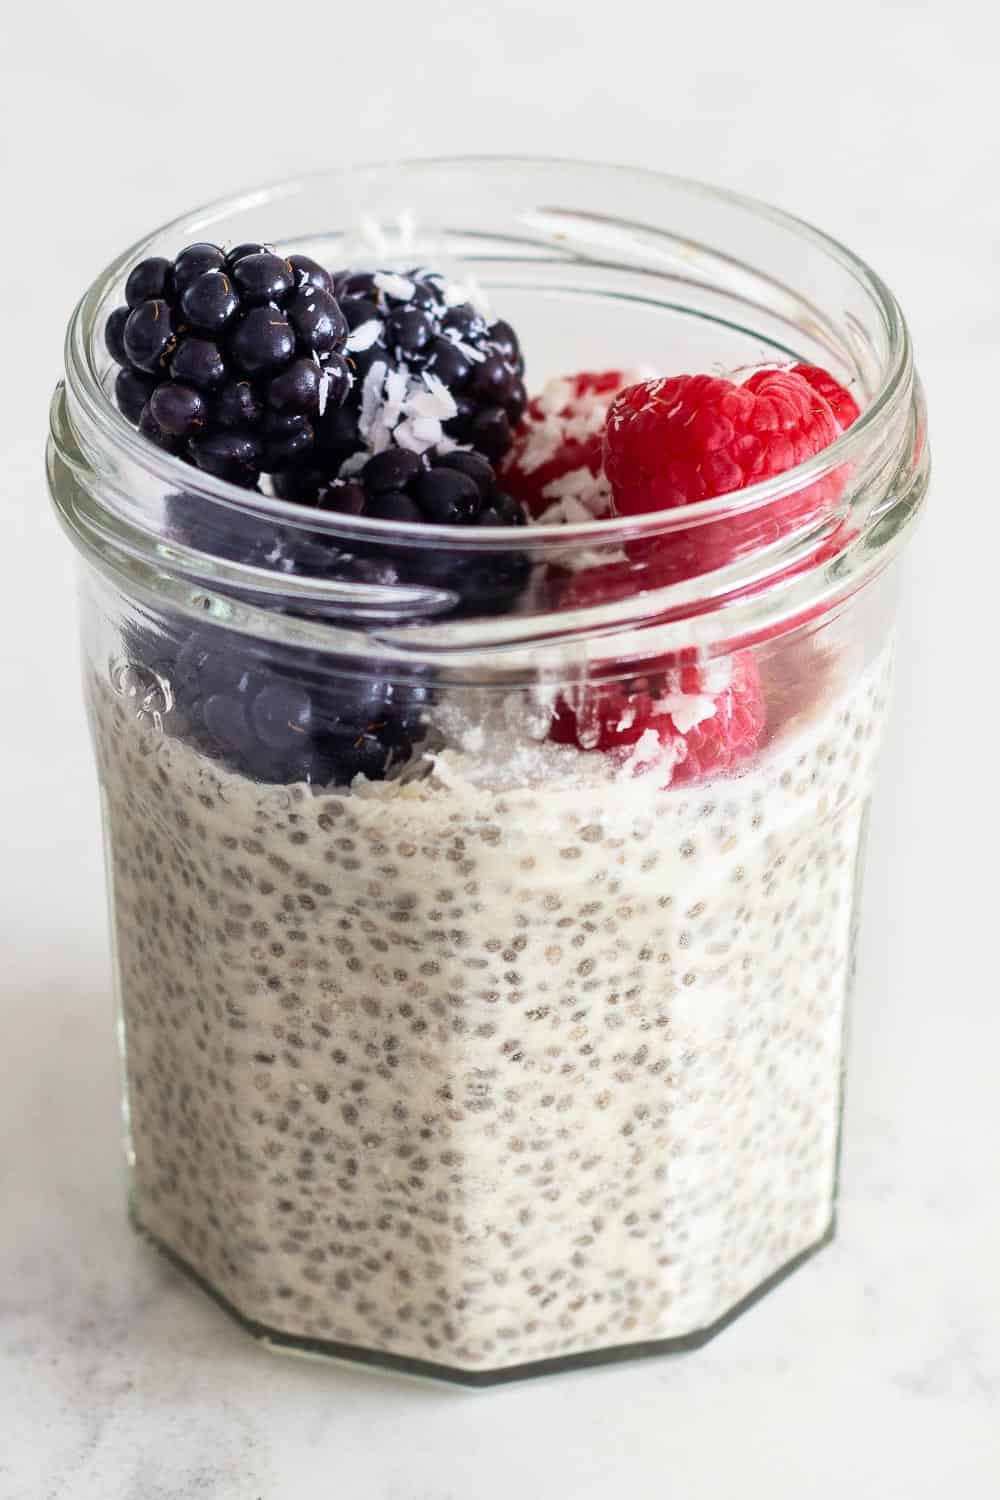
(465,1031)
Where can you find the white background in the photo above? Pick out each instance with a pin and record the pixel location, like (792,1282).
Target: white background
(875,1372)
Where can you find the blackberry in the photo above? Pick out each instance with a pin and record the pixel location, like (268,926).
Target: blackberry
(283,719)
(429,372)
(235,355)
(451,489)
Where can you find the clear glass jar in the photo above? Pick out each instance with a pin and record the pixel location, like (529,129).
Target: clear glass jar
(514,1053)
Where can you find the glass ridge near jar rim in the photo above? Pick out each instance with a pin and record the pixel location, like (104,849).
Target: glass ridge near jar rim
(112,465)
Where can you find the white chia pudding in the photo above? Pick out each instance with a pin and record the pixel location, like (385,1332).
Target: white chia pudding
(487,1067)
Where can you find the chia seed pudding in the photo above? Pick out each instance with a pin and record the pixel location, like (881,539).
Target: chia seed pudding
(486,719)
(486,1076)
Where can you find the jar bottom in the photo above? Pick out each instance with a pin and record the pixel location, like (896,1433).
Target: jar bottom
(379,1360)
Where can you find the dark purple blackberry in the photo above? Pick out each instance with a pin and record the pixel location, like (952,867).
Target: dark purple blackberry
(235,356)
(409,325)
(284,717)
(454,489)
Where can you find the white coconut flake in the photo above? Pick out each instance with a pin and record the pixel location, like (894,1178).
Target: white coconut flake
(434,400)
(417,434)
(686,709)
(582,485)
(590,557)
(372,397)
(574,511)
(399,287)
(555,396)
(717,675)
(353,465)
(324,390)
(474,356)
(404,437)
(648,750)
(363,337)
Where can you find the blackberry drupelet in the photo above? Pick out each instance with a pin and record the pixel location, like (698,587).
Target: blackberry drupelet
(236,356)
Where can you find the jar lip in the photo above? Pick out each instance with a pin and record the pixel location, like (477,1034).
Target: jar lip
(87,389)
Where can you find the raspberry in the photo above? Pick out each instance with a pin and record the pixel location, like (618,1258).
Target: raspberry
(709,719)
(557,457)
(692,437)
(689,438)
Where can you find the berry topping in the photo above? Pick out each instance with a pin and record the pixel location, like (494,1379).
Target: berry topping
(678,441)
(455,489)
(696,720)
(431,370)
(693,437)
(312,369)
(240,351)
(556,465)
(281,722)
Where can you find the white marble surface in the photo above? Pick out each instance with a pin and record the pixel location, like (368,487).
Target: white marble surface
(875,1371)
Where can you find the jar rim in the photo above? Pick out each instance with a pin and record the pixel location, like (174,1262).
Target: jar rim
(107,428)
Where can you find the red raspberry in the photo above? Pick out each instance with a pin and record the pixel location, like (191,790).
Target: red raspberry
(709,718)
(560,437)
(692,437)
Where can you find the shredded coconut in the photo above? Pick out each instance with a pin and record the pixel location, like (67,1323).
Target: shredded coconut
(686,709)
(399,287)
(364,336)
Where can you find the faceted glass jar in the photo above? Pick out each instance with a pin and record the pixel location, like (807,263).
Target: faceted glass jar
(514,1052)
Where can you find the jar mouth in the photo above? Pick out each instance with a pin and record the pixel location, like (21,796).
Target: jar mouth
(555,230)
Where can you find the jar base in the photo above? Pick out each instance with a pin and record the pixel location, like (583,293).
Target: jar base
(379,1360)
